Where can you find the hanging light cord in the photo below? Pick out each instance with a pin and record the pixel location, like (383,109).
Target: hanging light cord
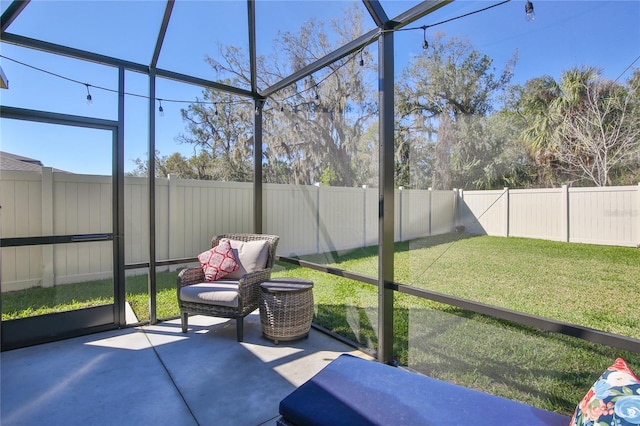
(323,79)
(67,78)
(113,90)
(424,27)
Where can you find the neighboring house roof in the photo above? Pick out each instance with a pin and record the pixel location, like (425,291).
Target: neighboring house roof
(10,161)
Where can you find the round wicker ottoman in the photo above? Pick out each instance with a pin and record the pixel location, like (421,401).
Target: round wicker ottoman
(286,308)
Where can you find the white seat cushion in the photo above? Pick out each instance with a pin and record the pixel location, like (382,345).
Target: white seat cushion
(222,292)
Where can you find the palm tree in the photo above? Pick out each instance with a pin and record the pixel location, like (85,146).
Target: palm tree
(544,106)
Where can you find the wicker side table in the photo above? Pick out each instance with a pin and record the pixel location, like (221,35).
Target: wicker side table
(286,308)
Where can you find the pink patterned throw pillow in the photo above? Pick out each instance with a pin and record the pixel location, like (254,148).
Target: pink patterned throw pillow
(218,262)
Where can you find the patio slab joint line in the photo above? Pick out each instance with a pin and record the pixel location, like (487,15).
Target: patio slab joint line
(170,377)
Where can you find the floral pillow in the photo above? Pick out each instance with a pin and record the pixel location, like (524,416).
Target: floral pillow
(218,262)
(614,400)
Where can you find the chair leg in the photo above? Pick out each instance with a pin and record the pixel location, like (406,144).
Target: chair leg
(184,319)
(239,328)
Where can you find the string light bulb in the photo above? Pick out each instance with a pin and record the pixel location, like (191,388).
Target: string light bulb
(425,43)
(216,109)
(528,10)
(361,59)
(89,98)
(160,109)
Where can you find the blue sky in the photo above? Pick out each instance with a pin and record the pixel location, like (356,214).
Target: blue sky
(564,34)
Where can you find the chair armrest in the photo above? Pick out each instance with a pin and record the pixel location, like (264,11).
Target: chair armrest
(249,285)
(255,277)
(190,276)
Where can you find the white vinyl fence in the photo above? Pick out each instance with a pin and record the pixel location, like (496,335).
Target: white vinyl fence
(308,219)
(600,215)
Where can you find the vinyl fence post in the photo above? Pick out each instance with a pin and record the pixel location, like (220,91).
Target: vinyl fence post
(564,223)
(638,217)
(459,202)
(364,216)
(174,227)
(430,203)
(318,185)
(400,188)
(48,273)
(506,211)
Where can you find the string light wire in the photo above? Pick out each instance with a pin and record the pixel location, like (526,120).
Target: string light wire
(107,89)
(333,71)
(424,27)
(627,69)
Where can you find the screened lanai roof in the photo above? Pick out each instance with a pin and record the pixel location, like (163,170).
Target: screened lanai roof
(42,42)
(176,36)
(117,31)
(152,33)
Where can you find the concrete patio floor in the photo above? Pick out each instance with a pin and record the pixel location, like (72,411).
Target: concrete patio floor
(156,375)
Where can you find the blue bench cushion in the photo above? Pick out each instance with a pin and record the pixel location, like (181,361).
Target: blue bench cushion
(353,391)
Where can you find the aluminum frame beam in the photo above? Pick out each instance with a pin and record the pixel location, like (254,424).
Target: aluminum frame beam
(257,166)
(184,78)
(398,22)
(337,54)
(386,197)
(118,208)
(376,11)
(257,120)
(162,33)
(415,13)
(151,183)
(541,323)
(11,13)
(56,118)
(71,52)
(253,63)
(117,63)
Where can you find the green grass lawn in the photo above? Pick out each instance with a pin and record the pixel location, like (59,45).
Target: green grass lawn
(40,301)
(539,368)
(593,286)
(588,285)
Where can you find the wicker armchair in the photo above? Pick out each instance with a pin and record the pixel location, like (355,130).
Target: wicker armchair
(247,287)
